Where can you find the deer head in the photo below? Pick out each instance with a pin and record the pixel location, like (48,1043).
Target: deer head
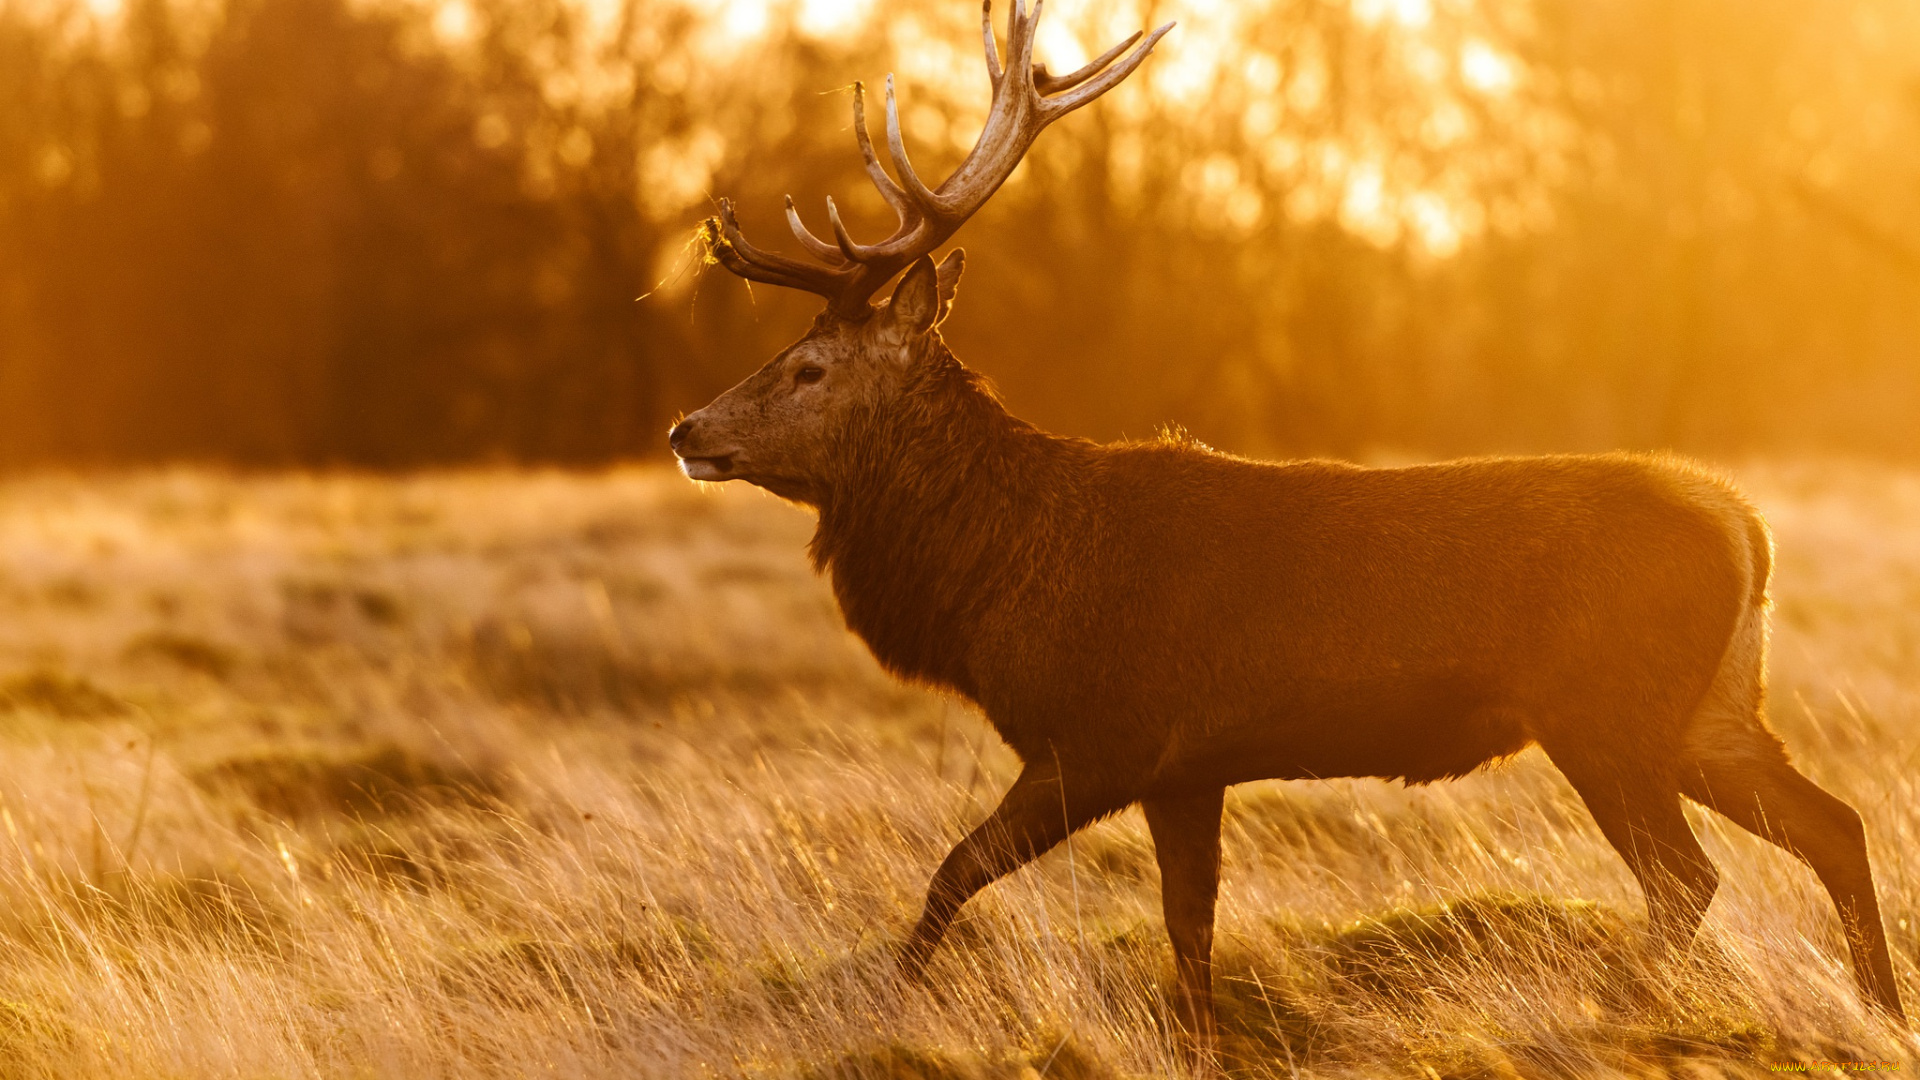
(779,428)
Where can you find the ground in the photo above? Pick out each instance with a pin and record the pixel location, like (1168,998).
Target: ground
(505,773)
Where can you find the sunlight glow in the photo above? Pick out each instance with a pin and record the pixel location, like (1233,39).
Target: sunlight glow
(1365,209)
(1413,14)
(602,15)
(1262,73)
(1061,48)
(1279,91)
(830,18)
(1484,69)
(1435,223)
(454,23)
(743,19)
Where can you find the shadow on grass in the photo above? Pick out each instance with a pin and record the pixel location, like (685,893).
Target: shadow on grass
(184,651)
(1578,988)
(531,973)
(571,673)
(119,919)
(1418,948)
(61,695)
(387,781)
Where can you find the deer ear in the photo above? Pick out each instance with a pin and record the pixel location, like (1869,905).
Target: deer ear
(948,273)
(916,306)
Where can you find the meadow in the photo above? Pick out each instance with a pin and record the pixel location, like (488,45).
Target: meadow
(504,773)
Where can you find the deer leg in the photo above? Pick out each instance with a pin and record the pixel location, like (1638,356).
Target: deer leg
(1036,813)
(1764,794)
(1641,817)
(1186,842)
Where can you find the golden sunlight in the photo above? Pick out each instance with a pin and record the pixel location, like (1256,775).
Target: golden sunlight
(1485,69)
(416,661)
(826,18)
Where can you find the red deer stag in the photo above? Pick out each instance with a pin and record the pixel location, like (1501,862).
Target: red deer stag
(1153,622)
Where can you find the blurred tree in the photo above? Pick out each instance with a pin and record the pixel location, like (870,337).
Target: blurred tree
(412,231)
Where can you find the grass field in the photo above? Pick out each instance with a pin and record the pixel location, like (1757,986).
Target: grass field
(503,774)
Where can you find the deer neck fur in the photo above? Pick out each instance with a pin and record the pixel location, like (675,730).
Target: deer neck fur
(942,499)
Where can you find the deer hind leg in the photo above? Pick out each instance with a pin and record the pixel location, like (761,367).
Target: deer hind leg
(1638,810)
(1760,791)
(1737,766)
(1186,843)
(1037,813)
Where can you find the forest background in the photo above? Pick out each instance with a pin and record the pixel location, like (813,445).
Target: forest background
(389,233)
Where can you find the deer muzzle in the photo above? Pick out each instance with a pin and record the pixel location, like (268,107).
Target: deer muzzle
(698,460)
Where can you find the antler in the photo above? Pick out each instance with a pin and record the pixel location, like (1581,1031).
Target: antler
(849,273)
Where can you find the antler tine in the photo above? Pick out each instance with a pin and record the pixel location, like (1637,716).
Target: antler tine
(736,254)
(817,247)
(1054,108)
(927,217)
(1052,84)
(1020,42)
(993,47)
(855,252)
(889,190)
(909,179)
(1018,117)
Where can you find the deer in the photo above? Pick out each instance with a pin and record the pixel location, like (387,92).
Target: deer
(1153,622)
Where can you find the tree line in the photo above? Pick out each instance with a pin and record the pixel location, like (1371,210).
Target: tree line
(331,232)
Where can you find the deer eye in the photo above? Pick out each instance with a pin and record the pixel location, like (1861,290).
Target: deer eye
(809,375)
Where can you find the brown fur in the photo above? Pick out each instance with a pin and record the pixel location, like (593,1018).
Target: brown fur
(1153,622)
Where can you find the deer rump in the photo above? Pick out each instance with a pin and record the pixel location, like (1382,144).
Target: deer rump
(1200,620)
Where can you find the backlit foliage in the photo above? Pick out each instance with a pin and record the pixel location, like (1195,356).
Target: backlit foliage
(392,231)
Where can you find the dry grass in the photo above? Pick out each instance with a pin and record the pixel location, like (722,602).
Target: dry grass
(498,774)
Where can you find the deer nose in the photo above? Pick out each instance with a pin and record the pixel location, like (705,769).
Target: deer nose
(679,434)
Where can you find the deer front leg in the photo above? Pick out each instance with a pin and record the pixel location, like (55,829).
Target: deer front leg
(1186,842)
(1034,815)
